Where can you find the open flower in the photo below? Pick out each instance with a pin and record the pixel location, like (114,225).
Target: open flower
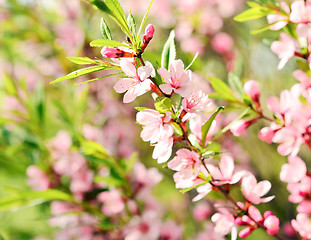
(254,191)
(137,83)
(177,79)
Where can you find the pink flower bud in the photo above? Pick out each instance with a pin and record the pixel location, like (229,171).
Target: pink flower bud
(110,52)
(267,214)
(239,221)
(149,31)
(239,127)
(251,89)
(266,134)
(245,232)
(272,224)
(222,43)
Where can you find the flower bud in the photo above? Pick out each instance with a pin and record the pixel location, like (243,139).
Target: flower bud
(110,52)
(239,127)
(245,232)
(272,224)
(251,89)
(149,31)
(266,134)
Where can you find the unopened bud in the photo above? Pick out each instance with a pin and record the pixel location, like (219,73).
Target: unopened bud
(272,223)
(251,88)
(245,232)
(110,52)
(149,31)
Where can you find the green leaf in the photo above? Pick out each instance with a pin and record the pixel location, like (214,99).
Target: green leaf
(205,128)
(105,30)
(194,58)
(81,60)
(80,72)
(169,51)
(95,79)
(132,24)
(224,92)
(177,129)
(94,149)
(235,83)
(226,128)
(9,85)
(263,29)
(144,20)
(131,161)
(208,180)
(107,43)
(25,198)
(110,181)
(253,13)
(140,108)
(163,104)
(114,9)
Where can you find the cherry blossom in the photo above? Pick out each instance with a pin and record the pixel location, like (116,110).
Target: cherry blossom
(112,202)
(137,83)
(293,171)
(302,224)
(254,191)
(177,79)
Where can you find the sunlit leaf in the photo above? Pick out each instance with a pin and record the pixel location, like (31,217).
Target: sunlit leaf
(169,51)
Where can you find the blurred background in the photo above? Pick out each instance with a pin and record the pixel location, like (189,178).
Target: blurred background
(37,36)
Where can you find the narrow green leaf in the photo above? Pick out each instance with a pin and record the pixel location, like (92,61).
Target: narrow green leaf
(163,104)
(94,149)
(110,181)
(25,198)
(263,29)
(177,129)
(131,161)
(106,43)
(105,30)
(194,58)
(235,83)
(81,60)
(9,85)
(222,89)
(226,128)
(140,108)
(95,79)
(252,13)
(169,51)
(132,24)
(144,20)
(116,8)
(205,128)
(208,180)
(80,72)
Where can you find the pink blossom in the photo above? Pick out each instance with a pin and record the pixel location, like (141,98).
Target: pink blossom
(251,89)
(299,190)
(293,171)
(304,79)
(302,224)
(267,133)
(155,124)
(149,31)
(254,191)
(280,19)
(272,223)
(37,178)
(222,43)
(177,79)
(81,181)
(223,173)
(137,83)
(163,149)
(186,163)
(112,202)
(145,227)
(61,143)
(171,231)
(285,49)
(225,224)
(196,102)
(201,211)
(301,12)
(146,177)
(304,207)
